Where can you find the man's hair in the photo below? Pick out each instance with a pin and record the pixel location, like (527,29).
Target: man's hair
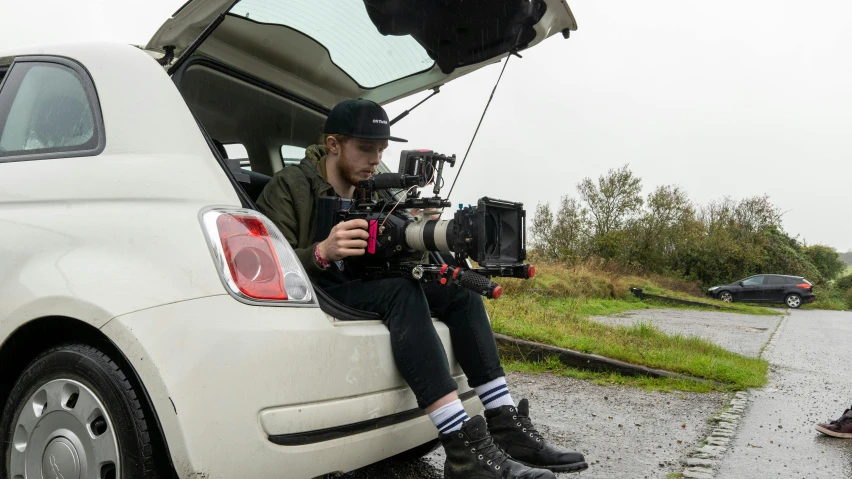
(339,138)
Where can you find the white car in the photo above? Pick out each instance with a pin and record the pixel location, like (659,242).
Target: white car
(153,324)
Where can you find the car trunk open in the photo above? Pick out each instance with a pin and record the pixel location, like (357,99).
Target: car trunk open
(324,51)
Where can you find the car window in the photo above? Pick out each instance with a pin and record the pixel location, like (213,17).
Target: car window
(755,281)
(44,108)
(367,56)
(292,155)
(778,280)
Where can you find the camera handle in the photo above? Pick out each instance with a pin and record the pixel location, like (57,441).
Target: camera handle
(474,279)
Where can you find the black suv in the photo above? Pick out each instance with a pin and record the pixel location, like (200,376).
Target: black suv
(793,291)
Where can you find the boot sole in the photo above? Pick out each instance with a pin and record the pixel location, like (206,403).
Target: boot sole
(573,467)
(829,432)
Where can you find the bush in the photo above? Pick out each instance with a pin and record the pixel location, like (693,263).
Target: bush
(844,282)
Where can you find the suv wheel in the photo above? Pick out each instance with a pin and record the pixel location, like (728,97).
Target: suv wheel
(74,414)
(726,297)
(793,301)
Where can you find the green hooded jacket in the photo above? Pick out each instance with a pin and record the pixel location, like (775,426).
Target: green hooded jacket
(290,200)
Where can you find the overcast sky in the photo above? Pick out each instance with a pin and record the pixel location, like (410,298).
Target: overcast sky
(722,98)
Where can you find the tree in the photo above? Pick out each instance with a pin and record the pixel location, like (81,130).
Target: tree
(611,202)
(569,229)
(667,227)
(542,230)
(826,259)
(561,237)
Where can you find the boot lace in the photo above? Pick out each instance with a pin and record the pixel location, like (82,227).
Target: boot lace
(527,427)
(489,451)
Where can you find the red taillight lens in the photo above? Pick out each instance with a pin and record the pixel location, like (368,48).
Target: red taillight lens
(803,286)
(251,257)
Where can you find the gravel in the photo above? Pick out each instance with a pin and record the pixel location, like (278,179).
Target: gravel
(741,333)
(623,432)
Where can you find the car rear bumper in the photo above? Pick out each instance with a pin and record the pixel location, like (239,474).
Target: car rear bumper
(250,391)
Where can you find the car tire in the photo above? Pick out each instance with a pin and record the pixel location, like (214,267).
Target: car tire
(726,297)
(793,301)
(74,411)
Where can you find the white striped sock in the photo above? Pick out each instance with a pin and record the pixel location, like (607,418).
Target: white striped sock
(494,393)
(449,417)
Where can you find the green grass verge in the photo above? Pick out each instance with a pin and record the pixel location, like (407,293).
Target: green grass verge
(562,322)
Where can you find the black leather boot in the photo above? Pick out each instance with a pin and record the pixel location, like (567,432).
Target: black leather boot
(513,431)
(472,454)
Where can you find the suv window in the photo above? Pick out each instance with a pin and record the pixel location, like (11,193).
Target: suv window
(755,281)
(44,108)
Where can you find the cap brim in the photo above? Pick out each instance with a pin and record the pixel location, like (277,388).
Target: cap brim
(379,137)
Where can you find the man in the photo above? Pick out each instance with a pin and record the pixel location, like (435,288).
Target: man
(356,134)
(841,427)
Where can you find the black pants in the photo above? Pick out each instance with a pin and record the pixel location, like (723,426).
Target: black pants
(405,308)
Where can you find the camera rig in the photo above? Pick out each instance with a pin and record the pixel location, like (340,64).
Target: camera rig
(491,234)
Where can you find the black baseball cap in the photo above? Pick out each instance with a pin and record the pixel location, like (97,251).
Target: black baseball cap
(360,119)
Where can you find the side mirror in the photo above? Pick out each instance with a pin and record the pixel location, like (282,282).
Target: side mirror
(740,283)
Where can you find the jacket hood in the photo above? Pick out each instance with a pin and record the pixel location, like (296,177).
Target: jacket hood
(313,166)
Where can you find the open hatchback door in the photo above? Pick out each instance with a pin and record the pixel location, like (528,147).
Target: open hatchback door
(323,51)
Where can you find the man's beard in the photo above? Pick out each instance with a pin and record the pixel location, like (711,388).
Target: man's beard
(348,170)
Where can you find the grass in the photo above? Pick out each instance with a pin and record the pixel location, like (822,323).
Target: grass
(552,365)
(553,308)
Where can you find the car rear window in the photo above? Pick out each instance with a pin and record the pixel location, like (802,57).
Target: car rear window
(778,280)
(344,28)
(45,108)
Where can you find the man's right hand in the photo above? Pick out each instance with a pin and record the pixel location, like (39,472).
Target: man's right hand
(347,238)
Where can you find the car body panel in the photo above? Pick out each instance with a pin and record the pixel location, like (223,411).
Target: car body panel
(295,62)
(195,351)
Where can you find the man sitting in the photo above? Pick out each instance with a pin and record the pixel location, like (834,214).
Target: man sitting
(356,134)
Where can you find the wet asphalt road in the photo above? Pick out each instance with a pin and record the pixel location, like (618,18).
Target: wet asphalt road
(810,382)
(741,333)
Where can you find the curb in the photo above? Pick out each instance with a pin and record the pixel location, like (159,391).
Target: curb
(593,362)
(702,463)
(643,295)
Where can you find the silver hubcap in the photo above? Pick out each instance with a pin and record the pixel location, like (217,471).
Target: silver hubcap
(726,297)
(793,301)
(64,432)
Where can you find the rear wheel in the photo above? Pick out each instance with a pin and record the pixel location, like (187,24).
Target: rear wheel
(726,297)
(73,414)
(793,301)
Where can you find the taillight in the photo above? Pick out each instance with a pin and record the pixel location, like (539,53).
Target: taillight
(804,286)
(254,260)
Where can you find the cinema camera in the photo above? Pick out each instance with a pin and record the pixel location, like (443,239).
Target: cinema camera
(491,233)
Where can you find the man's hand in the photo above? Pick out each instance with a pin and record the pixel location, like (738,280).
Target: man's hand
(347,238)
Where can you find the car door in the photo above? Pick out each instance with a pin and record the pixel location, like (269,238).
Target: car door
(773,289)
(752,288)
